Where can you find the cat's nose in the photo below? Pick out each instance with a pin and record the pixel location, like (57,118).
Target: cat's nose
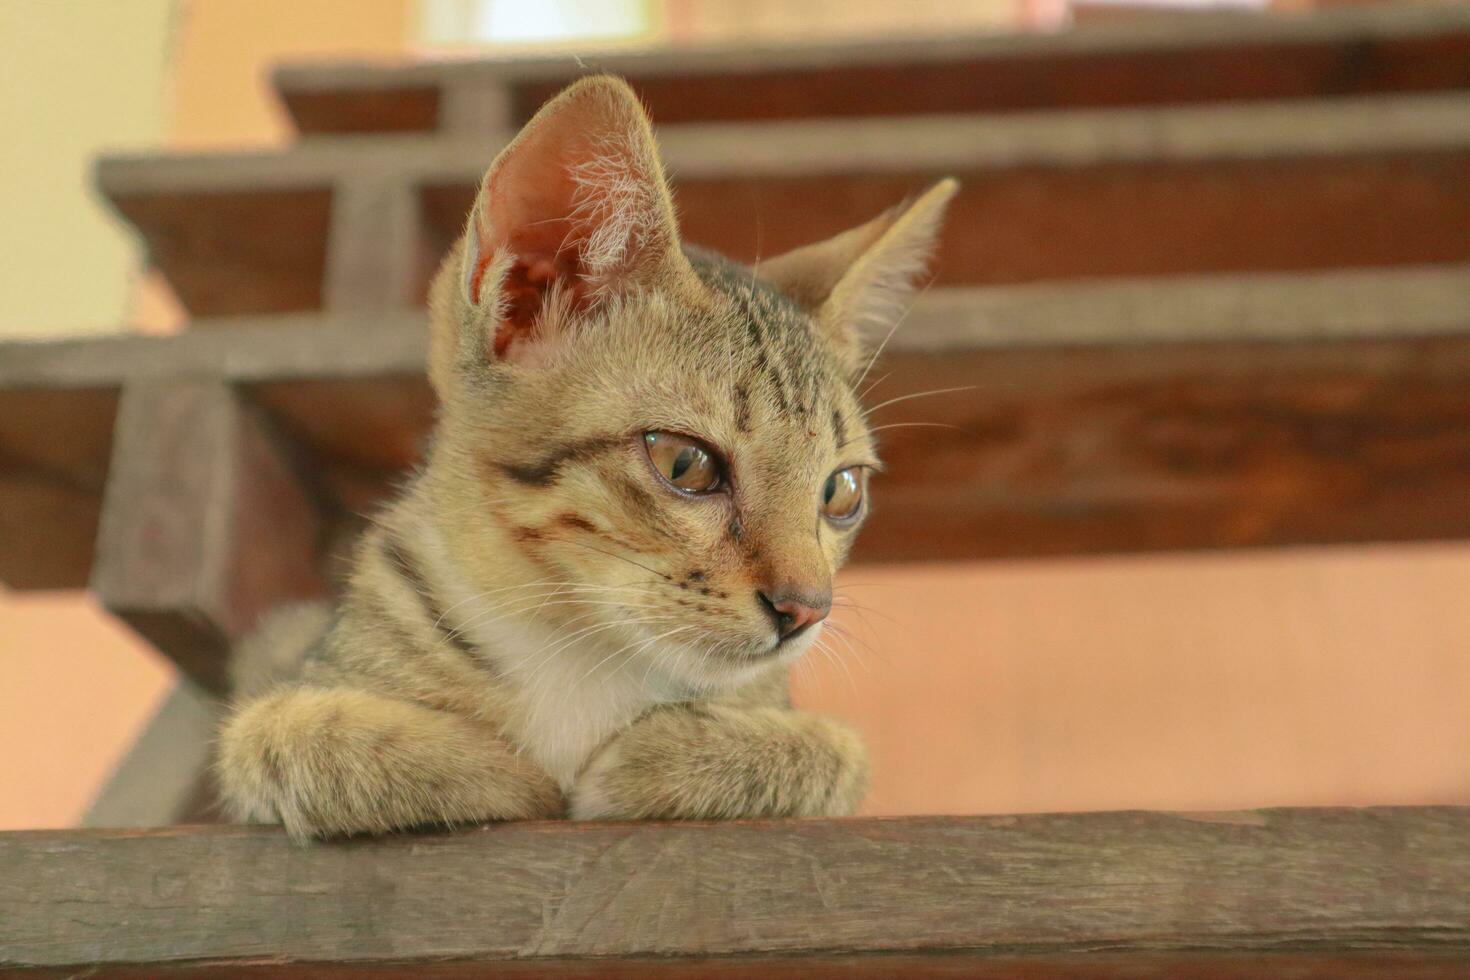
(793,610)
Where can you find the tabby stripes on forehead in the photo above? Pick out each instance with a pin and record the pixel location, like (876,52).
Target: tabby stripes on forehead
(742,407)
(839,431)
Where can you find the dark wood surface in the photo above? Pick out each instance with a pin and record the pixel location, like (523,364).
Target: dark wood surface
(1281,893)
(1142,62)
(237,251)
(54,447)
(1194,413)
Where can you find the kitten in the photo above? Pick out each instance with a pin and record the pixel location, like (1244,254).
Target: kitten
(648,463)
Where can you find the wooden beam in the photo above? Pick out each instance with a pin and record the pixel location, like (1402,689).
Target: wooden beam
(1147,60)
(1254,187)
(164,778)
(1323,893)
(476,108)
(1291,129)
(375,252)
(205,525)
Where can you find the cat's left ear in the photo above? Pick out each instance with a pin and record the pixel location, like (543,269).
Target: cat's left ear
(858,283)
(574,209)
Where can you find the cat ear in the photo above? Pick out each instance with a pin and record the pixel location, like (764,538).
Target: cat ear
(573,209)
(858,283)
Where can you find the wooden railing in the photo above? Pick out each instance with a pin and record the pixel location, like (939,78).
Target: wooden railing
(1339,894)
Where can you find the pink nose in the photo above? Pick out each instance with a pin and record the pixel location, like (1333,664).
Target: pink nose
(794,611)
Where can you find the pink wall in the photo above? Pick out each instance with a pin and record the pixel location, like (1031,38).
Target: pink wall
(1192,682)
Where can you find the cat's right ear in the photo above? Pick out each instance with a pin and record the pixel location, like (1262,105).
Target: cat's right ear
(573,210)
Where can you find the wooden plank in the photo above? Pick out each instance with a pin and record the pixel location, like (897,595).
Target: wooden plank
(1189,413)
(1160,60)
(1061,453)
(205,525)
(1385,124)
(1361,182)
(375,257)
(1291,893)
(1282,308)
(164,778)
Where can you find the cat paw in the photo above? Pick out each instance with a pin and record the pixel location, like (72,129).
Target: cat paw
(593,796)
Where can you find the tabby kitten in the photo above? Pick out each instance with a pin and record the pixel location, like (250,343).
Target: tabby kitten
(648,463)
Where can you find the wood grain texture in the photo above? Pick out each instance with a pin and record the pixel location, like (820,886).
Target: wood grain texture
(1145,61)
(205,524)
(1293,893)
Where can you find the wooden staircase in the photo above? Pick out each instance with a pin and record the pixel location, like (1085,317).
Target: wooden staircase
(1207,285)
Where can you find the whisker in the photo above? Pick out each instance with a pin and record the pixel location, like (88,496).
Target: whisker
(917,394)
(874,383)
(583,544)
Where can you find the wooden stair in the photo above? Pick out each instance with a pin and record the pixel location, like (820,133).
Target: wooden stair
(1271,186)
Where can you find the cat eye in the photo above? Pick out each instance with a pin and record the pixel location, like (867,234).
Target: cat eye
(683,462)
(842,496)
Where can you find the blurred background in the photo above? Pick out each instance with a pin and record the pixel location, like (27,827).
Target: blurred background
(1331,668)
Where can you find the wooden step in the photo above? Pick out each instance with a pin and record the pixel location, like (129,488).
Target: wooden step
(1145,61)
(1197,412)
(1366,182)
(1351,894)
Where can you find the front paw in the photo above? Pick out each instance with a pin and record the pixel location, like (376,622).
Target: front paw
(597,793)
(720,764)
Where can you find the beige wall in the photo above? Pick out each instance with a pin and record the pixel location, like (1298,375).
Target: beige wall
(1333,676)
(74,77)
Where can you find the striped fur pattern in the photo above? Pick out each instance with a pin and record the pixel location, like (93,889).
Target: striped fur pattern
(539,626)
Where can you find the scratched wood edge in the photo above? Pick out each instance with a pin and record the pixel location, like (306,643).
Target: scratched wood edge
(1362,125)
(1360,888)
(1095,964)
(1139,34)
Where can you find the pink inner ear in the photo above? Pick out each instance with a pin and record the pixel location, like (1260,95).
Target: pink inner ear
(538,227)
(571,207)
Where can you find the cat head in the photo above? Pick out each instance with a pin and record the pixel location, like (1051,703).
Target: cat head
(670,443)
